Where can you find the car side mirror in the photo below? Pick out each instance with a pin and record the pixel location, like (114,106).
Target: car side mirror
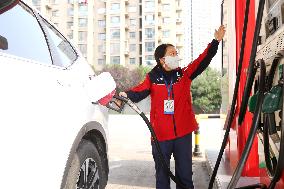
(101,88)
(3,43)
(6,5)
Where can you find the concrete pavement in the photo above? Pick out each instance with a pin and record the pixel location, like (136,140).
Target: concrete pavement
(131,162)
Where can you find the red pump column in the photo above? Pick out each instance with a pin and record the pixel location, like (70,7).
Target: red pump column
(251,166)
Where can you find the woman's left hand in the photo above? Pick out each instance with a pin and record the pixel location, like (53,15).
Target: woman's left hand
(219,35)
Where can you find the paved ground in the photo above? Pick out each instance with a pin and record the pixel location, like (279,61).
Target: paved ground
(131,162)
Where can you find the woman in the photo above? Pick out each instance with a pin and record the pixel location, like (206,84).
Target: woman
(171,115)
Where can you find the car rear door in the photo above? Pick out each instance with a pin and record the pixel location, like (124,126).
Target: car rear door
(38,101)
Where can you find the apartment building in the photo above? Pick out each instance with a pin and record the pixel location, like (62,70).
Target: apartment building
(205,19)
(124,32)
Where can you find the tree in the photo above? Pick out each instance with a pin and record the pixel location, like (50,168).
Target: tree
(206,92)
(125,78)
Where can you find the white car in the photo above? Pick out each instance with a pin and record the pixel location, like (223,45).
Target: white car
(52,130)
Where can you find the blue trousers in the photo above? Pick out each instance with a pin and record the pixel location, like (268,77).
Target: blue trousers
(181,148)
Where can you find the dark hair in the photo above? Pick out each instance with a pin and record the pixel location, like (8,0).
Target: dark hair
(160,52)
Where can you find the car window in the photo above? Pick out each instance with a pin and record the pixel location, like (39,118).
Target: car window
(5,5)
(63,53)
(24,35)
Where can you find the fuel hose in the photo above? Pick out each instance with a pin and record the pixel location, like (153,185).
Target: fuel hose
(280,164)
(234,100)
(274,166)
(272,71)
(248,86)
(270,160)
(154,137)
(257,114)
(252,133)
(250,78)
(269,124)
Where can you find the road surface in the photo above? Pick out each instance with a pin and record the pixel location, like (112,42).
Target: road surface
(131,162)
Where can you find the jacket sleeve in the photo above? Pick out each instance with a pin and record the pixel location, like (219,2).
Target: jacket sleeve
(201,63)
(141,91)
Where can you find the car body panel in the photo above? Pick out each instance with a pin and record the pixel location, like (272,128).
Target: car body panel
(52,127)
(45,111)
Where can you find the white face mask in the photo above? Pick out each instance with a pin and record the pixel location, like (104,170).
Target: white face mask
(172,61)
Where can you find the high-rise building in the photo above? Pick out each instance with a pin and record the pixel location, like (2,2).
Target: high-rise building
(205,19)
(124,32)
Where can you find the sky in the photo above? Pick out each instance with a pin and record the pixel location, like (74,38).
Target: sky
(205,20)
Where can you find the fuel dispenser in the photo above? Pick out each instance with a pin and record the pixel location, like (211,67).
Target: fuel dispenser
(261,62)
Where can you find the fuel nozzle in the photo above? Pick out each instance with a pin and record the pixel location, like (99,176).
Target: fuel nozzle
(117,103)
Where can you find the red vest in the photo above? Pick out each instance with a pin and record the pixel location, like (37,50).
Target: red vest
(182,122)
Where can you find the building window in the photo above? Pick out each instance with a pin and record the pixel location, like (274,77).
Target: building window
(150,19)
(166,7)
(115,48)
(115,7)
(179,38)
(69,25)
(132,47)
(101,61)
(83,35)
(149,33)
(83,49)
(166,20)
(115,20)
(149,46)
(102,23)
(149,57)
(70,11)
(115,60)
(166,33)
(83,10)
(115,33)
(83,22)
(149,6)
(102,48)
(102,36)
(55,13)
(36,2)
(271,2)
(149,60)
(132,61)
(133,22)
(70,35)
(132,35)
